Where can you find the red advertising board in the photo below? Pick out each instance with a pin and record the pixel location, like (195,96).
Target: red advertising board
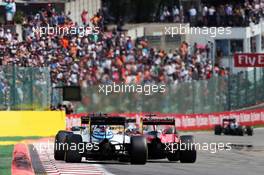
(188,122)
(249,60)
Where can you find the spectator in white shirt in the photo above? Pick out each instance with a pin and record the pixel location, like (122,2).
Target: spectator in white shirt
(2,33)
(204,14)
(193,14)
(8,35)
(211,16)
(176,14)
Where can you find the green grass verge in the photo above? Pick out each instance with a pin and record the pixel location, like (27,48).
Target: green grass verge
(17,138)
(259,126)
(6,159)
(6,153)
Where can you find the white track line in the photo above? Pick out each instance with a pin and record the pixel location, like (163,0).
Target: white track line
(53,167)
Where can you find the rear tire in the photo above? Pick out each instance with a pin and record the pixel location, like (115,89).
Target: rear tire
(218,130)
(189,154)
(226,131)
(249,130)
(123,159)
(106,150)
(240,131)
(73,156)
(139,150)
(155,149)
(60,145)
(174,156)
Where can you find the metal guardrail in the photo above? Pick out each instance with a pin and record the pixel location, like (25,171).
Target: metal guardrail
(215,95)
(31,89)
(25,88)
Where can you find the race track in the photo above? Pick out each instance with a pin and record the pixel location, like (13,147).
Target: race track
(245,157)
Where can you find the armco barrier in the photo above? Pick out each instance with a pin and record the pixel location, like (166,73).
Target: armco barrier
(31,123)
(192,121)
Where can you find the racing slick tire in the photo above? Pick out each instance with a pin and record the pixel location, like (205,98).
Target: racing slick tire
(123,159)
(174,156)
(249,130)
(227,131)
(73,155)
(218,130)
(240,131)
(60,145)
(138,150)
(155,149)
(188,152)
(106,150)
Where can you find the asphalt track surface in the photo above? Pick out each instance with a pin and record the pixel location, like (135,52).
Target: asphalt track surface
(246,157)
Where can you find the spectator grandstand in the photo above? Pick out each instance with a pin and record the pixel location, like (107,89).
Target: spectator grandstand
(196,12)
(110,56)
(209,14)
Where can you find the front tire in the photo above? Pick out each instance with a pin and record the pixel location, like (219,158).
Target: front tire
(174,156)
(218,130)
(155,149)
(188,155)
(73,155)
(240,131)
(60,145)
(139,150)
(249,130)
(227,131)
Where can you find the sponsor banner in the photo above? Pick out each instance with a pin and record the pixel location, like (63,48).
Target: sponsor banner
(188,122)
(249,59)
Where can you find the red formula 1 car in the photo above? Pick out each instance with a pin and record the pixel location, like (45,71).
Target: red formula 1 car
(163,140)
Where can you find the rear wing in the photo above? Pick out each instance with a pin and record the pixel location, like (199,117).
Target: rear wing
(131,120)
(158,121)
(229,120)
(87,119)
(77,128)
(153,121)
(103,120)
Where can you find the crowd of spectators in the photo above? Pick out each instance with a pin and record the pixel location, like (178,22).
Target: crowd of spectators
(216,15)
(110,56)
(68,108)
(10,10)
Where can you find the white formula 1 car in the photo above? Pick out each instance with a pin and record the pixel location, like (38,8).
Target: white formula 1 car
(97,141)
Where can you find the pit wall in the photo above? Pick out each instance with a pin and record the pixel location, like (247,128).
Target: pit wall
(31,123)
(190,122)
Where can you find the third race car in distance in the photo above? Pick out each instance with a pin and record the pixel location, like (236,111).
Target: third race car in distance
(230,126)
